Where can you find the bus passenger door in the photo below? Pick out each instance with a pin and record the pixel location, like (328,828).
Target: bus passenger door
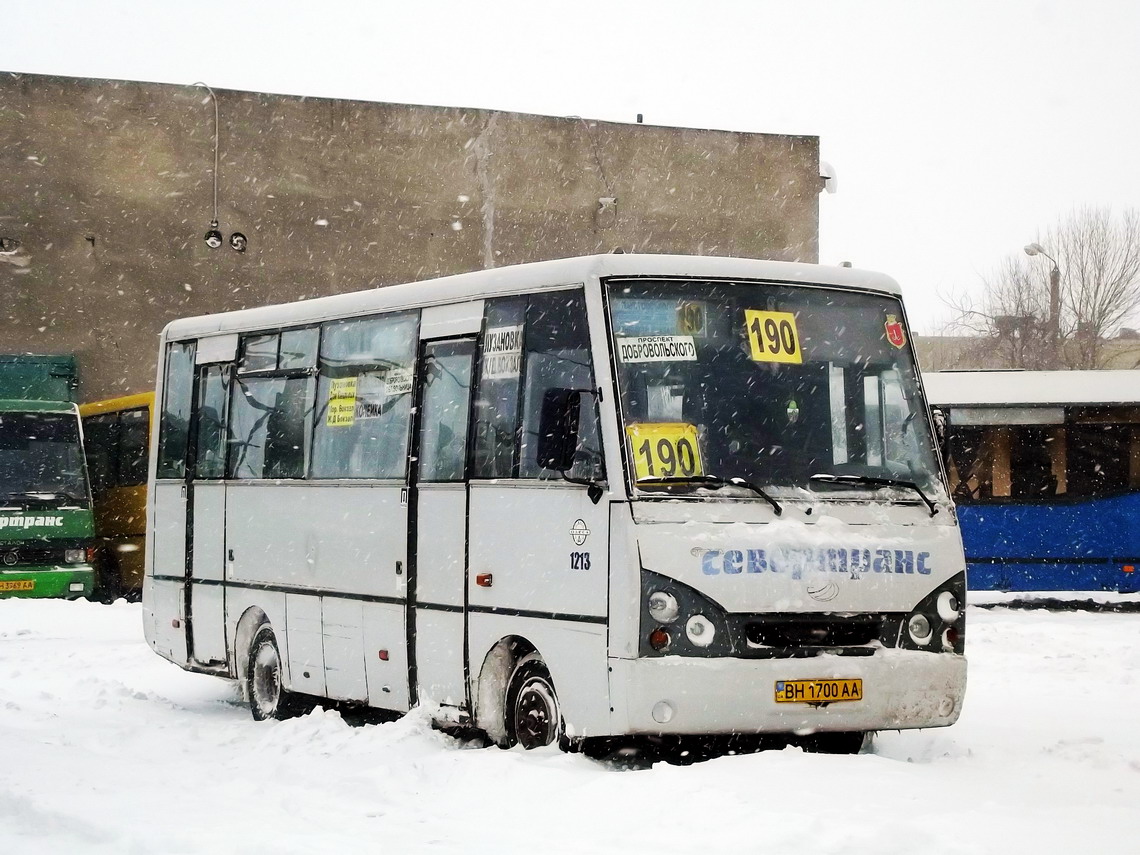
(438,529)
(207,594)
(164,599)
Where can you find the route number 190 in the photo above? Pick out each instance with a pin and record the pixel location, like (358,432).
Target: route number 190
(772,336)
(665,450)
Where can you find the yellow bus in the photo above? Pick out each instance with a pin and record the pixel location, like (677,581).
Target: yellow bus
(117,438)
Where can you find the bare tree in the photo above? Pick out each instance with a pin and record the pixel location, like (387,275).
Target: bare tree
(1098,256)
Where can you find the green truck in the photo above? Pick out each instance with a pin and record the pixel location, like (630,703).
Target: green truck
(47,545)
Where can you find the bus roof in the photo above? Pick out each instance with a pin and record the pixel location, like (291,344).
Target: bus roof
(114,405)
(1031,388)
(522,278)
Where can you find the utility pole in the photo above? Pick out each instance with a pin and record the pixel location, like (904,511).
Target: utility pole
(1054,321)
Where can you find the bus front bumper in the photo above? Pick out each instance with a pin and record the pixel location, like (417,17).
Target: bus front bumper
(689,695)
(69,581)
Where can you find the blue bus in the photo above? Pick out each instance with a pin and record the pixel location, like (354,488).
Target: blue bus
(1044,467)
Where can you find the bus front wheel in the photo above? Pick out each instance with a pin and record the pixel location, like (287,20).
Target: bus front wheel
(843,742)
(108,578)
(533,718)
(267,695)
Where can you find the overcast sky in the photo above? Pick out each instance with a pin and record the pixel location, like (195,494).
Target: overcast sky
(957,129)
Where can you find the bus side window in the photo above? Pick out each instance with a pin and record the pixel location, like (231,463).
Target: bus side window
(134,438)
(99,442)
(969,470)
(363,409)
(496,414)
(1031,464)
(1099,457)
(557,355)
(446,411)
(1133,457)
(271,407)
(299,348)
(213,399)
(269,427)
(258,353)
(174,429)
(901,435)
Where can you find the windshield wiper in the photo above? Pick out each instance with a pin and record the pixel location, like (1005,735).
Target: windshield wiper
(716,481)
(856,480)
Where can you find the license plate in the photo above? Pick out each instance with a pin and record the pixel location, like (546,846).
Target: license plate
(18,585)
(818,691)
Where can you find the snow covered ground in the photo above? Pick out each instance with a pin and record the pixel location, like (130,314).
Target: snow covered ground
(105,748)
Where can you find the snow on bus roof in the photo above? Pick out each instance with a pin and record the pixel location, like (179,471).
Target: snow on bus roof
(521,278)
(1030,388)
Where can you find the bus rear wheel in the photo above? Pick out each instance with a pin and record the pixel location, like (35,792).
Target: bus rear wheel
(268,698)
(533,718)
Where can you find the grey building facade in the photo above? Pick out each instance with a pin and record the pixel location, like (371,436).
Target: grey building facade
(107,189)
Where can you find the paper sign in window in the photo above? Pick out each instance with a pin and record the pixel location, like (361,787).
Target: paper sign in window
(657,348)
(502,352)
(398,381)
(342,402)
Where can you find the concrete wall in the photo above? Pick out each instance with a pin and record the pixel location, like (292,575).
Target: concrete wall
(108,187)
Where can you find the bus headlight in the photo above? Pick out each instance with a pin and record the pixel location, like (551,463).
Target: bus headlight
(677,620)
(950,638)
(948,606)
(919,629)
(663,607)
(700,630)
(74,556)
(939,616)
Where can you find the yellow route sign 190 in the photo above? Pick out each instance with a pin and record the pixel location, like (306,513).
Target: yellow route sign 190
(665,450)
(772,336)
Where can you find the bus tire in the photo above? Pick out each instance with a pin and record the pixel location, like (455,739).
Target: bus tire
(108,578)
(268,698)
(533,718)
(841,742)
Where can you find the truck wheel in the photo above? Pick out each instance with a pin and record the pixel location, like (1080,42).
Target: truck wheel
(267,695)
(533,718)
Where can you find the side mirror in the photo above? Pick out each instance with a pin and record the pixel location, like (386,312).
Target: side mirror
(941,434)
(558,429)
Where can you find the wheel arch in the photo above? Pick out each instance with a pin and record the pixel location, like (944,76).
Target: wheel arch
(491,686)
(252,619)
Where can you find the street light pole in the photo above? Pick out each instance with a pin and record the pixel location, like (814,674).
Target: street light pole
(1054,304)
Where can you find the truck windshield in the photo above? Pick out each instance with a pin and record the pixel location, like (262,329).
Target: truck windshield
(789,388)
(41,459)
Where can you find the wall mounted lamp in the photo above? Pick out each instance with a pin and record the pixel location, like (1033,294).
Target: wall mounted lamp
(213,236)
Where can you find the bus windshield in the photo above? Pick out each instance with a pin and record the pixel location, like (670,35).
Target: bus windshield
(769,386)
(41,459)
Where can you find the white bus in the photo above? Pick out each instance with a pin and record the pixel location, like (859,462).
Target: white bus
(594,497)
